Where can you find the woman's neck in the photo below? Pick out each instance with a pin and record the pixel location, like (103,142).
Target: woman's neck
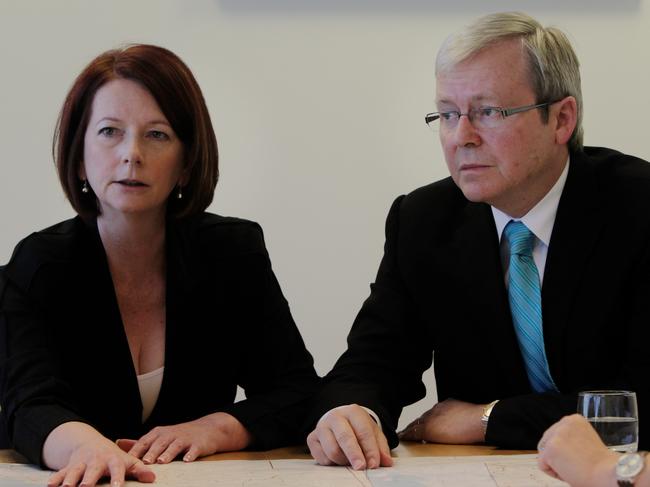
(133,244)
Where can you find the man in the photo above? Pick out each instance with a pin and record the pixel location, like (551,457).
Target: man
(525,276)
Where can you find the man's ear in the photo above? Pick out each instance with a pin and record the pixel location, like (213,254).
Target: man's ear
(564,114)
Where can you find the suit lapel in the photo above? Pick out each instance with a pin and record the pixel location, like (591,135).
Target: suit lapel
(578,224)
(476,245)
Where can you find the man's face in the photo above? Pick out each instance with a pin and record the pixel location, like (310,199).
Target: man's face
(514,164)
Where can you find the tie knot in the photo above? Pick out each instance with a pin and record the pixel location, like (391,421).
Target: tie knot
(520,239)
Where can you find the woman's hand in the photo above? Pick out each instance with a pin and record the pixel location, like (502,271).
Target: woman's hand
(83,456)
(572,451)
(204,436)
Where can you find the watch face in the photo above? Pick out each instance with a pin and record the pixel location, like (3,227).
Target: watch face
(629,465)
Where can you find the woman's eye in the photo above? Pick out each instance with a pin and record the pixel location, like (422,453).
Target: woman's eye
(157,134)
(108,131)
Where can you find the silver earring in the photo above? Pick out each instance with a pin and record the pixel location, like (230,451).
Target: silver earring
(179,195)
(84,187)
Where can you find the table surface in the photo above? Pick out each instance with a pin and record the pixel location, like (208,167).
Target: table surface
(405,449)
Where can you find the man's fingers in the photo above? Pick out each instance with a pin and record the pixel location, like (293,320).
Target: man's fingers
(548,470)
(316,449)
(365,430)
(348,434)
(385,460)
(346,437)
(330,447)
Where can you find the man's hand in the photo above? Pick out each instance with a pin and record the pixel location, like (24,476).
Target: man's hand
(572,451)
(449,421)
(347,435)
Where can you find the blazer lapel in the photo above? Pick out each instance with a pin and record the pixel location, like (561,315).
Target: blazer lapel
(578,224)
(180,288)
(118,372)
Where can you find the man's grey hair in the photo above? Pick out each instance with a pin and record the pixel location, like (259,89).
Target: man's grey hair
(553,65)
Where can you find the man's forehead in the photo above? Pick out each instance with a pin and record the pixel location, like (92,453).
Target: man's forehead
(479,98)
(487,77)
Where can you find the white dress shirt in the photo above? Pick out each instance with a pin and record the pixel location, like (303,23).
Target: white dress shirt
(539,220)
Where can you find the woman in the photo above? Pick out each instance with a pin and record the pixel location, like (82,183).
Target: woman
(137,319)
(572,451)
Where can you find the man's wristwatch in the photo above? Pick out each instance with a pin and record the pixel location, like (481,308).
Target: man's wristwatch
(628,468)
(487,410)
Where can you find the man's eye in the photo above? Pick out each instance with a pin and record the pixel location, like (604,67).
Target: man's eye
(488,112)
(448,116)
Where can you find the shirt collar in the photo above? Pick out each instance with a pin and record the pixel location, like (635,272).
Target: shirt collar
(541,217)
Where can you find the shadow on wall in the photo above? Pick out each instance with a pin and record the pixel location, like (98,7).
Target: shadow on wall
(421,6)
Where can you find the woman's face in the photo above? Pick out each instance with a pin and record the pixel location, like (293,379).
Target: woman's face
(132,158)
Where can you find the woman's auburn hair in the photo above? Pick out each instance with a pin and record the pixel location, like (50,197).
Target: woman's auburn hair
(171,83)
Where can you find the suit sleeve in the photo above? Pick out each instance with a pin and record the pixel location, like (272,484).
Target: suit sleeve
(276,370)
(519,422)
(387,349)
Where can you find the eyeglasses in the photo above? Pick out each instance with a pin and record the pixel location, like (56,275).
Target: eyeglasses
(481,117)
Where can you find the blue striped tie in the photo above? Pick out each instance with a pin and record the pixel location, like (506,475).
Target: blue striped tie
(524,294)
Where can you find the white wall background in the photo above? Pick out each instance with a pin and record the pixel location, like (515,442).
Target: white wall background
(318,108)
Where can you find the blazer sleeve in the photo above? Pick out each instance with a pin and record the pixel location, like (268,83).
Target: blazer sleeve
(388,349)
(35,399)
(276,370)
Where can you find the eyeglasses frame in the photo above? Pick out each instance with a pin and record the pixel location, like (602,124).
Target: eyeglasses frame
(505,112)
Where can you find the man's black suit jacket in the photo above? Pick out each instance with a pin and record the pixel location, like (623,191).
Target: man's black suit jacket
(65,356)
(440,294)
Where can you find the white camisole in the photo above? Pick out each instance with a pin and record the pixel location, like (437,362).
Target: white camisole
(149,385)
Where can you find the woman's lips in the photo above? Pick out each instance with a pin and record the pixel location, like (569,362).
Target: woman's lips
(131,183)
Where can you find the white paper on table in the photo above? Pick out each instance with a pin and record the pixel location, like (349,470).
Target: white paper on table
(490,471)
(240,473)
(21,475)
(487,471)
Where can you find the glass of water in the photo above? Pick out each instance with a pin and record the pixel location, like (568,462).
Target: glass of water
(615,417)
